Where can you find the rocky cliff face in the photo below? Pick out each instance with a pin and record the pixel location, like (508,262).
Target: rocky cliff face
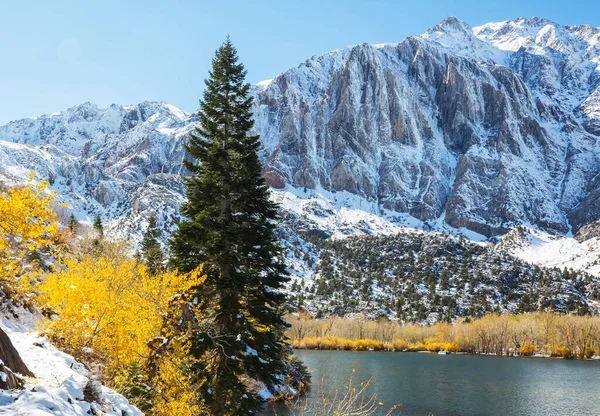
(486,128)
(483,128)
(120,162)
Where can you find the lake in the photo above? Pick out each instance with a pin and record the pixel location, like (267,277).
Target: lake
(465,385)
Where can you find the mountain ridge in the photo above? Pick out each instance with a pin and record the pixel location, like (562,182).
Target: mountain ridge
(543,127)
(441,132)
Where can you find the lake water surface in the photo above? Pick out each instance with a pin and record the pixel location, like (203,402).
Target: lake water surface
(465,385)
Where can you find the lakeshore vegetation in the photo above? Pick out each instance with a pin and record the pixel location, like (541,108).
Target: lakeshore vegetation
(543,333)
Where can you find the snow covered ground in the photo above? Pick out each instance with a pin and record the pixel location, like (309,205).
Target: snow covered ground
(59,383)
(544,249)
(343,214)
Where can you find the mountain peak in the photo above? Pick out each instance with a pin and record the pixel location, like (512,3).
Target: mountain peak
(85,106)
(162,107)
(538,21)
(455,23)
(450,31)
(458,37)
(538,36)
(450,25)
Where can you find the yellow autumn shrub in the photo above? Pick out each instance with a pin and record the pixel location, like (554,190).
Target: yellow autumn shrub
(107,307)
(27,224)
(397,345)
(450,347)
(562,351)
(177,394)
(344,344)
(368,345)
(310,343)
(527,349)
(360,345)
(416,346)
(336,343)
(432,344)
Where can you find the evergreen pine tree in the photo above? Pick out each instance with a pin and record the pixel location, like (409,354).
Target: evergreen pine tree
(151,252)
(73,224)
(229,228)
(131,383)
(98,227)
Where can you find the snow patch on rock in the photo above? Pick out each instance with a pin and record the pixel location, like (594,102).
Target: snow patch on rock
(57,388)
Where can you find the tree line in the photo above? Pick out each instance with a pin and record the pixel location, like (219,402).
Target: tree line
(421,278)
(544,333)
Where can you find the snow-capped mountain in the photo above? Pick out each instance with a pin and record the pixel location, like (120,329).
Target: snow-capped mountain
(118,161)
(485,127)
(461,130)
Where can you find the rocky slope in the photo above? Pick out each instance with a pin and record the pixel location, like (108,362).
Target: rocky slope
(59,382)
(120,162)
(429,277)
(485,127)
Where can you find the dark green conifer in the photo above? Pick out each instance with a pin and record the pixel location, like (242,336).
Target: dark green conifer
(151,251)
(98,227)
(132,385)
(228,226)
(73,224)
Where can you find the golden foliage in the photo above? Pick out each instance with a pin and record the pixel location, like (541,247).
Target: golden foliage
(549,334)
(368,345)
(27,224)
(108,306)
(527,349)
(176,394)
(560,351)
(105,305)
(398,345)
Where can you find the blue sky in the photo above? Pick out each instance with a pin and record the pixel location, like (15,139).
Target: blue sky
(61,53)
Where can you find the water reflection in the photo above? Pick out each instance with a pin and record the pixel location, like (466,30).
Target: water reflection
(462,384)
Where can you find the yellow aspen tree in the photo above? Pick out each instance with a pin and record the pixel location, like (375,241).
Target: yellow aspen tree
(27,224)
(107,307)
